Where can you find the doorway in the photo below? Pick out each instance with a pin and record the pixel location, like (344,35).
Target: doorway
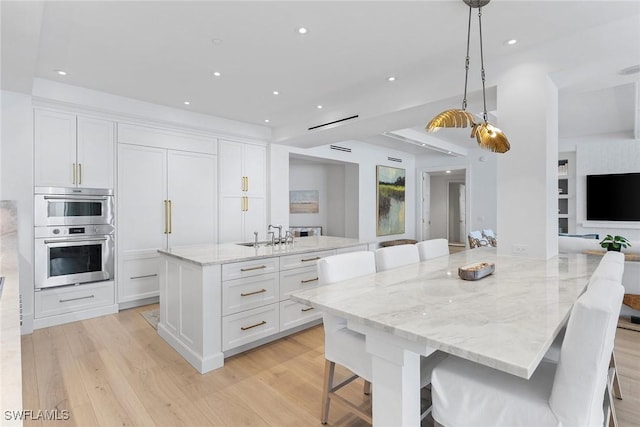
(444,207)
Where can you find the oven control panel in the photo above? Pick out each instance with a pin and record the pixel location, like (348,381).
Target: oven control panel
(70,231)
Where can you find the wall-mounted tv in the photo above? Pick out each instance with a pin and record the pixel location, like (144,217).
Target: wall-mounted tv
(613,197)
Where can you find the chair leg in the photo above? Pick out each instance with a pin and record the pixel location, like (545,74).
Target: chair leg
(367,387)
(616,379)
(612,420)
(327,385)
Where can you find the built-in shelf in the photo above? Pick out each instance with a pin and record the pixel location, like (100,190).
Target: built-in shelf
(566,194)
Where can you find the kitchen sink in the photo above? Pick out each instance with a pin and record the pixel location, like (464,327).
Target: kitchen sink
(251,244)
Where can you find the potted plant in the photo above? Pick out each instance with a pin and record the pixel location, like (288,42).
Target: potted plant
(614,243)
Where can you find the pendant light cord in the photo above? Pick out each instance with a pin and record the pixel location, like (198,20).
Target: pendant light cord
(466,64)
(484,97)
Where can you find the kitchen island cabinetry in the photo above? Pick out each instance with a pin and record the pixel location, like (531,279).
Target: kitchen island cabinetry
(219,300)
(73,151)
(166,197)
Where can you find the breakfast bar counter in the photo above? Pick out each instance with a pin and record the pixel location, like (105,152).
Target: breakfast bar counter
(506,320)
(220,300)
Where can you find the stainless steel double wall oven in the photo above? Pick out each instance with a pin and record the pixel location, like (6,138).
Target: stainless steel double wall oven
(74,236)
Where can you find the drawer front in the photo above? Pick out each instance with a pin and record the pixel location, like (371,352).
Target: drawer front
(352,249)
(139,279)
(245,327)
(238,270)
(250,292)
(298,279)
(303,260)
(50,302)
(294,314)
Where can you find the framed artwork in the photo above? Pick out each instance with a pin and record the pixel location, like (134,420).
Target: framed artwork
(303,202)
(390,203)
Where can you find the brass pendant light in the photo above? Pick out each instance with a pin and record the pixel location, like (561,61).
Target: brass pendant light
(488,136)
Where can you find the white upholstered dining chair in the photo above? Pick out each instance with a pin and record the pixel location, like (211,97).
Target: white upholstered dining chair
(346,347)
(432,248)
(396,256)
(569,393)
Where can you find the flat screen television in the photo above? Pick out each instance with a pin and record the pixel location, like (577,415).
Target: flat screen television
(613,197)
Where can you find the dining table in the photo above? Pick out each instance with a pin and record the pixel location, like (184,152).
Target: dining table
(506,320)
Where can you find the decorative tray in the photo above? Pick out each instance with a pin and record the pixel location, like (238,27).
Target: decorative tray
(476,271)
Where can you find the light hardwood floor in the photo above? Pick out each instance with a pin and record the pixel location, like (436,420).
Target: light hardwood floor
(115,370)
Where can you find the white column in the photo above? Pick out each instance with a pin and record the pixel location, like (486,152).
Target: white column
(527,174)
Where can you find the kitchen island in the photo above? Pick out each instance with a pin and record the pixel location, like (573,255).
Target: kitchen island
(220,300)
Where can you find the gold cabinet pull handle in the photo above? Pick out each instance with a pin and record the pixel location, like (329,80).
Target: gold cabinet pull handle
(306,309)
(73,173)
(259,267)
(244,328)
(253,293)
(309,280)
(310,259)
(170,217)
(166,217)
(79,173)
(246,185)
(246,204)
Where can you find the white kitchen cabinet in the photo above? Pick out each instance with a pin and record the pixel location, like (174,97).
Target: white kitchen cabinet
(165,198)
(73,151)
(242,184)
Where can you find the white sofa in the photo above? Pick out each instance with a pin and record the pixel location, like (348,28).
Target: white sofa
(631,277)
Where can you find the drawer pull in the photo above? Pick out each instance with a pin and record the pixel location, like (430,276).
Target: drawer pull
(143,277)
(310,259)
(253,293)
(309,280)
(244,328)
(306,309)
(76,299)
(259,267)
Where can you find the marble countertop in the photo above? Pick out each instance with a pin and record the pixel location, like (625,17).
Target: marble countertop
(10,350)
(506,320)
(229,252)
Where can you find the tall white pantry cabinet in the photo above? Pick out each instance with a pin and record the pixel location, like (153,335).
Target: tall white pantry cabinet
(166,197)
(243,186)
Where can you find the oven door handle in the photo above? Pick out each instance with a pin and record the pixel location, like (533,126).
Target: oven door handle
(75,198)
(70,240)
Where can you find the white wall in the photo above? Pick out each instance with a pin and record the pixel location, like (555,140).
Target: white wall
(366,157)
(602,154)
(16,183)
(480,180)
(305,175)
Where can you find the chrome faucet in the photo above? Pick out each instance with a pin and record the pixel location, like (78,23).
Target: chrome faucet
(279,227)
(255,239)
(288,235)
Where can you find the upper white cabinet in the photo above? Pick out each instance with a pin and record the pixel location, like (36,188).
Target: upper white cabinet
(73,151)
(166,197)
(242,183)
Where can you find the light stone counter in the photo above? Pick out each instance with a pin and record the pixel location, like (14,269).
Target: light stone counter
(10,347)
(228,252)
(506,320)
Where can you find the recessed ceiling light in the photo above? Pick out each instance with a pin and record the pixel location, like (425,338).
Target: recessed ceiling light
(187,103)
(391,79)
(511,42)
(302,30)
(424,145)
(449,152)
(216,74)
(61,72)
(319,107)
(266,120)
(275,92)
(447,171)
(216,41)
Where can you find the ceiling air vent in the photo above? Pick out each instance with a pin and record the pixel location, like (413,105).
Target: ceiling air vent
(333,122)
(339,148)
(394,159)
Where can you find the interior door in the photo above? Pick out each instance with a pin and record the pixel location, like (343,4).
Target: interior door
(426,214)
(191,189)
(462,200)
